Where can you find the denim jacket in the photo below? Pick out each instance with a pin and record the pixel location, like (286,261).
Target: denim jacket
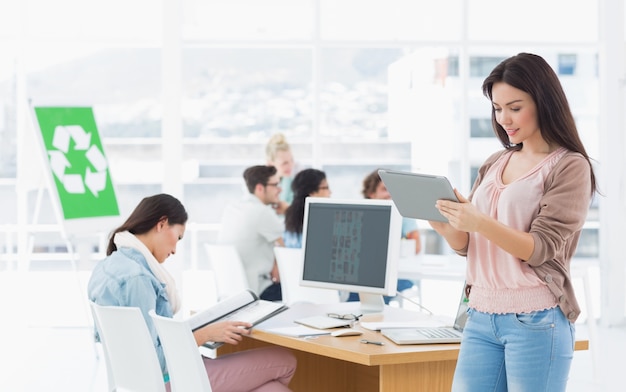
(124,279)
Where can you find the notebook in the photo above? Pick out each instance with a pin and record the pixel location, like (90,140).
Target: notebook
(432,335)
(324,322)
(415,194)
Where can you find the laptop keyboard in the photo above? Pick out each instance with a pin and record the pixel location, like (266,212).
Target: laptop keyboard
(437,333)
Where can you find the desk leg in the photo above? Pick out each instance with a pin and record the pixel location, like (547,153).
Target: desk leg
(422,376)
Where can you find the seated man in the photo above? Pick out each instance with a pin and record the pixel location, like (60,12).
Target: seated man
(253,227)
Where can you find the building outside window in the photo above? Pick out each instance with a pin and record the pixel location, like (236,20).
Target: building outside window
(387,92)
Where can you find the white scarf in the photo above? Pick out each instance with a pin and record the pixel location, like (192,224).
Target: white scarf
(128,240)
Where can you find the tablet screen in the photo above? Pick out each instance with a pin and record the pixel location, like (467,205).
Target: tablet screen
(415,194)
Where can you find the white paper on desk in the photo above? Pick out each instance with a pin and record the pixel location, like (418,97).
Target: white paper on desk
(426,322)
(298,331)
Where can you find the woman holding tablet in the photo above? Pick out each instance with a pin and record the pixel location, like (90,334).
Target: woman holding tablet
(519,228)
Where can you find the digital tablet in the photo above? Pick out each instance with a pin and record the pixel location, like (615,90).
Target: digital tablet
(415,194)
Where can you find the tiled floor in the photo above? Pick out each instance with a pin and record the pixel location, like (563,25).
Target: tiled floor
(46,345)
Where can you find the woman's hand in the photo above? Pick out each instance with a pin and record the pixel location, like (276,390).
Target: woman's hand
(445,207)
(280,207)
(223,331)
(461,215)
(439,227)
(451,231)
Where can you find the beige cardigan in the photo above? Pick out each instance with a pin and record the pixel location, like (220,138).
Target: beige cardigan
(557,227)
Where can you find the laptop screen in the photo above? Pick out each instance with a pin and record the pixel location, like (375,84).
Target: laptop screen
(461,315)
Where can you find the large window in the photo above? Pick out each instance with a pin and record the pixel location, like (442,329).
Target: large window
(247,93)
(567,64)
(354,85)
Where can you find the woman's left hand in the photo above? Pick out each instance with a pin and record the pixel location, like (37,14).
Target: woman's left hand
(280,207)
(223,331)
(461,215)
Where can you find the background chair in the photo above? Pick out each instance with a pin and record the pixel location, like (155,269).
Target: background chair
(289,262)
(110,379)
(131,357)
(230,276)
(199,290)
(581,271)
(184,363)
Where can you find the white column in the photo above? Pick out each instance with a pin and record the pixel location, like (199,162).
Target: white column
(22,154)
(612,71)
(316,58)
(171,125)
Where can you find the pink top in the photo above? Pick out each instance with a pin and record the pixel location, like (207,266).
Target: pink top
(502,283)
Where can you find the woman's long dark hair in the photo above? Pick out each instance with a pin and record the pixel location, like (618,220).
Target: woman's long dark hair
(533,75)
(148,213)
(304,183)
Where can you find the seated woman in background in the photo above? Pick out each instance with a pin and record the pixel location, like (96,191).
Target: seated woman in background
(308,182)
(374,188)
(132,275)
(278,154)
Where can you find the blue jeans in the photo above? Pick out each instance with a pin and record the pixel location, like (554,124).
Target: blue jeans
(525,352)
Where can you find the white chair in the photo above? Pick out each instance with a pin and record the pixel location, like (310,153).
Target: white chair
(184,363)
(107,361)
(289,262)
(580,271)
(199,290)
(230,275)
(131,357)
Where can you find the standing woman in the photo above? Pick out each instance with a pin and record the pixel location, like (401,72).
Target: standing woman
(278,154)
(519,228)
(308,182)
(132,275)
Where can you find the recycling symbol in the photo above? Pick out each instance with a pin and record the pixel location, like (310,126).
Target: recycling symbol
(95,181)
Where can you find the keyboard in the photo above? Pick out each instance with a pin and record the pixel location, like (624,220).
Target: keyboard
(435,333)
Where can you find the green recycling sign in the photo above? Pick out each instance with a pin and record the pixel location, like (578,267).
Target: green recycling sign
(77,162)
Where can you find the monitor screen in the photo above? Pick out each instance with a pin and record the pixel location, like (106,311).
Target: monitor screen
(352,245)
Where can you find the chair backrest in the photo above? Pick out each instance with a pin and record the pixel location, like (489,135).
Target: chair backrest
(184,363)
(289,262)
(107,361)
(230,275)
(132,358)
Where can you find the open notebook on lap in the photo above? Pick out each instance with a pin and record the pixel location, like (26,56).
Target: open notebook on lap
(432,335)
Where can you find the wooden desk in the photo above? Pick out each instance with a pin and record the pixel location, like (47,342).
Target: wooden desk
(327,363)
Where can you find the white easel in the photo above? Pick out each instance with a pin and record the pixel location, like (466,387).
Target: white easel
(77,233)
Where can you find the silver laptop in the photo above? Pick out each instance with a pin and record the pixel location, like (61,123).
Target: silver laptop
(415,194)
(432,335)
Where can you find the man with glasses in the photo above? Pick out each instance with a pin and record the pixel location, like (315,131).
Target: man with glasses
(253,227)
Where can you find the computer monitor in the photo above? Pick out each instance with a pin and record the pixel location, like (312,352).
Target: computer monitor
(352,245)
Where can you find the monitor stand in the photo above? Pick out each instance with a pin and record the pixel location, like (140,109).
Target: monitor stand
(371,303)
